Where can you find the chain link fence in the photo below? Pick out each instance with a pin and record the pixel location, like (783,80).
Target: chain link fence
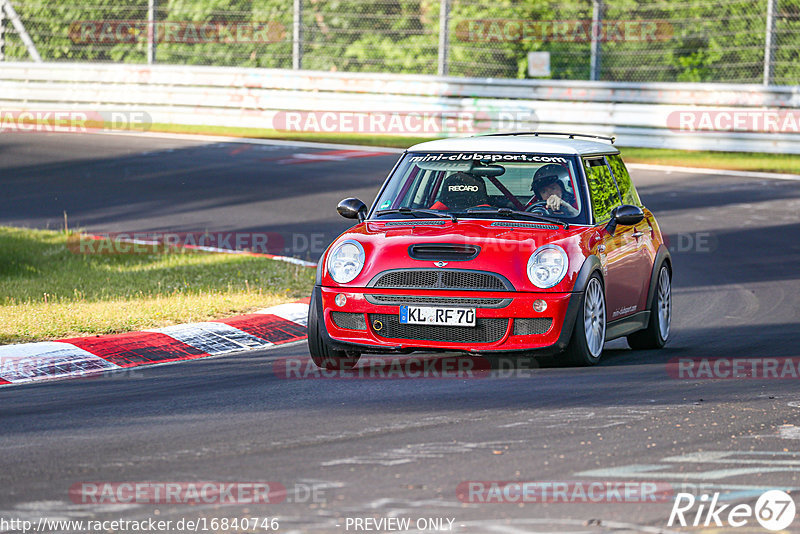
(735,41)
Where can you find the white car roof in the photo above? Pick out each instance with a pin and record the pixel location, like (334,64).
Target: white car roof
(542,144)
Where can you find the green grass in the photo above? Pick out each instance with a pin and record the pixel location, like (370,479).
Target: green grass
(744,161)
(49,292)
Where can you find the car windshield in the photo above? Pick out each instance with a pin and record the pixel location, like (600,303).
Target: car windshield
(488,185)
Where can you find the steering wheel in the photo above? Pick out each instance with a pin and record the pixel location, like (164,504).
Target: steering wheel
(539,207)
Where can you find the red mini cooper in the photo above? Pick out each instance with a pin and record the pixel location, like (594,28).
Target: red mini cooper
(519,244)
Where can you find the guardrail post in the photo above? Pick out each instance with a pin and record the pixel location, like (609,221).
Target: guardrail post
(5,5)
(769,42)
(152,32)
(597,21)
(444,37)
(297,35)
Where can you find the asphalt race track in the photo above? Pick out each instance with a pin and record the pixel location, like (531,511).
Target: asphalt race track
(352,448)
(127,184)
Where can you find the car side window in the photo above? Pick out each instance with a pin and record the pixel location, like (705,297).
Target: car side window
(626,188)
(603,190)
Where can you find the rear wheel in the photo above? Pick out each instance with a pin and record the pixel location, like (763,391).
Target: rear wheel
(657,331)
(322,354)
(589,335)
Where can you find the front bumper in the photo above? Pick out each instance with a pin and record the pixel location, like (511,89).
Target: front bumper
(506,324)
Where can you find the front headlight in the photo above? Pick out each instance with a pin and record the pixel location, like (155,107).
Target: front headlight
(547,266)
(346,261)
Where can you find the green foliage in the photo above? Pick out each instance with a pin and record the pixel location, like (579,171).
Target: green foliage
(603,191)
(626,188)
(697,41)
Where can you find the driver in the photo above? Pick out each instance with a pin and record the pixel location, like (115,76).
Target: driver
(548,186)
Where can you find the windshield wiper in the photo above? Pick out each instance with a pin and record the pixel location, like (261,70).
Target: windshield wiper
(416,211)
(506,212)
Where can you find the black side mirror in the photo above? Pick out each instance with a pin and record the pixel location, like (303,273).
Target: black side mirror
(625,215)
(352,208)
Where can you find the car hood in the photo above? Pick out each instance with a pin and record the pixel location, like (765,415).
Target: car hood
(505,247)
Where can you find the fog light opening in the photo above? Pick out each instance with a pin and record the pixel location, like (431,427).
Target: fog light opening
(539,305)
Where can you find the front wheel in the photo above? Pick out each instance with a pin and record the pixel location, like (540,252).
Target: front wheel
(657,332)
(322,354)
(589,336)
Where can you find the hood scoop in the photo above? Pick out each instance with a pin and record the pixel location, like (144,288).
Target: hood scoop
(443,252)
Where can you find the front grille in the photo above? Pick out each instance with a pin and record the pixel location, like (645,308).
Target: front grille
(485,331)
(441,279)
(399,300)
(528,327)
(350,321)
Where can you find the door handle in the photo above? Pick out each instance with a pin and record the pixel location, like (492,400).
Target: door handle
(637,235)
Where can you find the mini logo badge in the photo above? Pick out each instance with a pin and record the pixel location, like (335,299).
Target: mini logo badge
(440,263)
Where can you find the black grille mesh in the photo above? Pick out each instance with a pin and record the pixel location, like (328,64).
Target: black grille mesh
(424,279)
(527,327)
(350,321)
(485,330)
(442,301)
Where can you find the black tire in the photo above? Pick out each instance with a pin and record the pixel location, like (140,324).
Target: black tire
(586,346)
(656,334)
(322,354)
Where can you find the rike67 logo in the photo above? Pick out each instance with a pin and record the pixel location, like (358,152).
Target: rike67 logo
(774,510)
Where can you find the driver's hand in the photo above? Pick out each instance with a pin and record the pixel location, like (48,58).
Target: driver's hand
(554,203)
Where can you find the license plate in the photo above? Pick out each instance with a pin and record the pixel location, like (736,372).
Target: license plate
(437,316)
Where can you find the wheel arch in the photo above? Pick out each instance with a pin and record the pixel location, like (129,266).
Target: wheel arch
(591,265)
(662,258)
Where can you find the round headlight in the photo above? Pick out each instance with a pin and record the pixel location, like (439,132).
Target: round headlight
(547,266)
(346,261)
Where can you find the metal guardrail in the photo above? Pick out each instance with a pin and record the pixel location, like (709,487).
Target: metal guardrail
(640,115)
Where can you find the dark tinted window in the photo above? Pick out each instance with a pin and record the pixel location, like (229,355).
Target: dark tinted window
(626,187)
(602,188)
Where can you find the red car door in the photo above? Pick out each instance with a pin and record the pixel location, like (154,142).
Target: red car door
(623,253)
